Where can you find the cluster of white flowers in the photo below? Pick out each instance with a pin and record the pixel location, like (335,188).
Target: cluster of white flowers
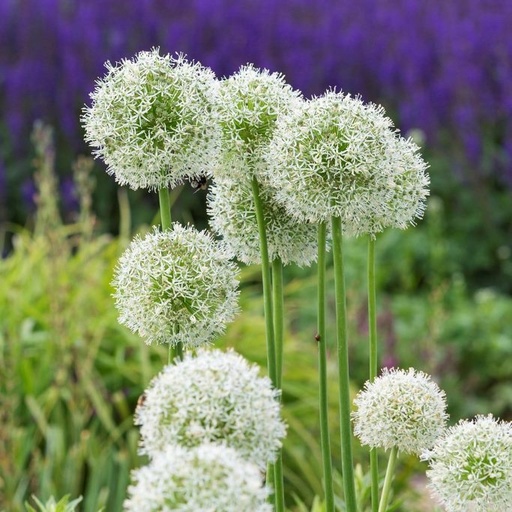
(152,120)
(232,214)
(210,425)
(207,478)
(335,156)
(402,409)
(249,104)
(213,397)
(176,286)
(471,466)
(208,422)
(159,120)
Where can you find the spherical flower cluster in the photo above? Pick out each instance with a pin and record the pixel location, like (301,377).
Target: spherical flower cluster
(207,478)
(214,397)
(334,156)
(232,214)
(176,286)
(152,120)
(471,466)
(400,409)
(249,104)
(407,189)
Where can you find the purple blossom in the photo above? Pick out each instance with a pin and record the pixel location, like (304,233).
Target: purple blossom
(28,194)
(443,67)
(69,199)
(3,192)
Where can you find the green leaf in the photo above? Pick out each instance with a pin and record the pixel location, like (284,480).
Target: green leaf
(52,506)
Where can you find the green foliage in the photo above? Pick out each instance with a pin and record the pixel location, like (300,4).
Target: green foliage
(70,376)
(464,339)
(68,427)
(52,506)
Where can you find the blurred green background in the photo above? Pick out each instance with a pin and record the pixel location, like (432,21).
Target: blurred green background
(71,376)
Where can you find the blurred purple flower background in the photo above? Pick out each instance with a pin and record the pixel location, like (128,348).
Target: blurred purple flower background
(444,67)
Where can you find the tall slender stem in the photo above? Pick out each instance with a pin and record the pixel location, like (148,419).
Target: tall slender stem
(322,374)
(165,208)
(267,286)
(374,473)
(278,305)
(166,221)
(384,499)
(374,361)
(269,325)
(372,310)
(125,221)
(278,309)
(279,483)
(343,367)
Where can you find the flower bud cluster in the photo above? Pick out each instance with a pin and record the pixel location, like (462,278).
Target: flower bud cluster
(400,409)
(232,214)
(214,397)
(335,156)
(470,463)
(204,478)
(176,286)
(249,104)
(209,425)
(159,120)
(471,466)
(152,120)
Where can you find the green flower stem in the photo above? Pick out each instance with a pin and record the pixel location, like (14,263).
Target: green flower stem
(278,309)
(125,221)
(279,484)
(322,371)
(384,499)
(343,367)
(372,331)
(267,287)
(372,310)
(278,305)
(374,473)
(165,208)
(269,328)
(175,353)
(166,221)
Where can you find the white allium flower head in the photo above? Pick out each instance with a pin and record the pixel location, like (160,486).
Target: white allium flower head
(335,156)
(402,409)
(207,478)
(232,214)
(249,104)
(176,286)
(152,120)
(213,397)
(471,466)
(407,187)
